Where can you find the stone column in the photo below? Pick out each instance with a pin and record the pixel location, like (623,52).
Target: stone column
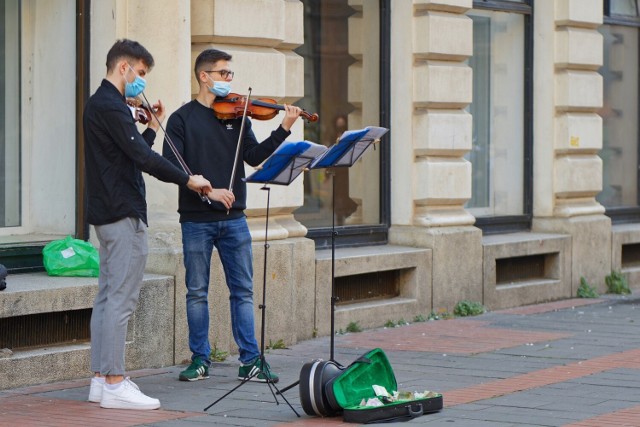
(169,81)
(431,180)
(568,133)
(260,35)
(163,27)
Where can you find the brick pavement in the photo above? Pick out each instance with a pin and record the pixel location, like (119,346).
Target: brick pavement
(28,407)
(451,336)
(573,363)
(30,410)
(624,418)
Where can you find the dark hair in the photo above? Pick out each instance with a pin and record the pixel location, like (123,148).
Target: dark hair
(207,58)
(129,50)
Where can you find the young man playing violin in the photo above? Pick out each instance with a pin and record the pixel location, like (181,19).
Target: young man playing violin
(208,145)
(115,155)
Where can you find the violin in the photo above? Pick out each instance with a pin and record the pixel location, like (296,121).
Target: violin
(139,110)
(233,106)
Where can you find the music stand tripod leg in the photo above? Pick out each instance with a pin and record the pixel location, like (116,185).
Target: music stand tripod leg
(264,369)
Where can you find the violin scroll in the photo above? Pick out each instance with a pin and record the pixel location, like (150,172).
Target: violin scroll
(310,117)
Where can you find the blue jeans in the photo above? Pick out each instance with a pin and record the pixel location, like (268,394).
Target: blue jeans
(233,242)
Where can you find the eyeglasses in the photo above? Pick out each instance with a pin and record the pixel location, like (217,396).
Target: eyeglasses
(223,73)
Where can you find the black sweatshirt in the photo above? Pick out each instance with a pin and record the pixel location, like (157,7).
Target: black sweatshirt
(208,146)
(115,155)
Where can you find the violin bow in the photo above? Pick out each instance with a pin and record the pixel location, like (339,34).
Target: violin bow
(235,161)
(173,148)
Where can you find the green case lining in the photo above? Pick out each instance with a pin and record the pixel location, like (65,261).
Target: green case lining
(354,384)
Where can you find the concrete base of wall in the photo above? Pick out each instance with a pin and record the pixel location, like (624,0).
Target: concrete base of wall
(148,343)
(590,246)
(554,283)
(457,260)
(414,286)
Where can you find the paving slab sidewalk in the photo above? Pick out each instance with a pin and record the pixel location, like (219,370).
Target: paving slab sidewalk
(573,363)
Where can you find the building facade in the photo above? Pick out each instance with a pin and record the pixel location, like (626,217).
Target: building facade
(510,171)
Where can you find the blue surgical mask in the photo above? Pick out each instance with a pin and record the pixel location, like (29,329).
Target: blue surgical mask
(220,89)
(135,88)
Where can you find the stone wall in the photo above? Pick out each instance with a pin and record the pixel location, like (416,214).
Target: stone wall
(568,134)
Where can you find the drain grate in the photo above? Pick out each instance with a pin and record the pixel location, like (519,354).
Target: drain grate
(521,268)
(37,330)
(368,286)
(631,255)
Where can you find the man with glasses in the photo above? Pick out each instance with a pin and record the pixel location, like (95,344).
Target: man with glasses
(208,145)
(115,156)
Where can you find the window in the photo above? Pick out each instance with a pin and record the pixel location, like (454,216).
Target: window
(342,58)
(37,146)
(10,212)
(623,8)
(620,111)
(501,177)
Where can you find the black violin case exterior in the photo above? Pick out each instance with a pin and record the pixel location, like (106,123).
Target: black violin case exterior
(314,379)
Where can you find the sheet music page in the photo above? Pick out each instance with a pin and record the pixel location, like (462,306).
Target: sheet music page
(314,150)
(375,132)
(350,142)
(287,158)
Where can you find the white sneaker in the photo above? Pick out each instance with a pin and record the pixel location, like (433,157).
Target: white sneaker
(127,396)
(95,390)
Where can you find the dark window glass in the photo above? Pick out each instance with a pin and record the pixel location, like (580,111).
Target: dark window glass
(501,196)
(10,190)
(620,117)
(342,72)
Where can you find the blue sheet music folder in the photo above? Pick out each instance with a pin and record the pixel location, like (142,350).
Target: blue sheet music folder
(337,151)
(287,162)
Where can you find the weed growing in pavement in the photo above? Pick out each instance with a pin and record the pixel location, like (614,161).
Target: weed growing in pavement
(440,314)
(389,324)
(585,290)
(468,308)
(617,283)
(419,318)
(276,345)
(354,327)
(217,355)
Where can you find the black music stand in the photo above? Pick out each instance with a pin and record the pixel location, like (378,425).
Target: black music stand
(281,168)
(344,153)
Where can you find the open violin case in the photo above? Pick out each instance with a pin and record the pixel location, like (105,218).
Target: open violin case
(328,389)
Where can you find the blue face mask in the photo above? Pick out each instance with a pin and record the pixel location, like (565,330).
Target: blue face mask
(220,89)
(135,88)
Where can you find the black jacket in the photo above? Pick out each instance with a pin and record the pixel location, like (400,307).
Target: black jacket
(115,155)
(208,146)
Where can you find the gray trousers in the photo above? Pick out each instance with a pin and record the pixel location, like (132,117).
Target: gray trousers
(123,255)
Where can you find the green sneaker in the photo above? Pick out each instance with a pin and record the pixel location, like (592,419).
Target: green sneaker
(251,370)
(198,370)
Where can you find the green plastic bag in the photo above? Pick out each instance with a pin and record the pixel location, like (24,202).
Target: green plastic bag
(71,257)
